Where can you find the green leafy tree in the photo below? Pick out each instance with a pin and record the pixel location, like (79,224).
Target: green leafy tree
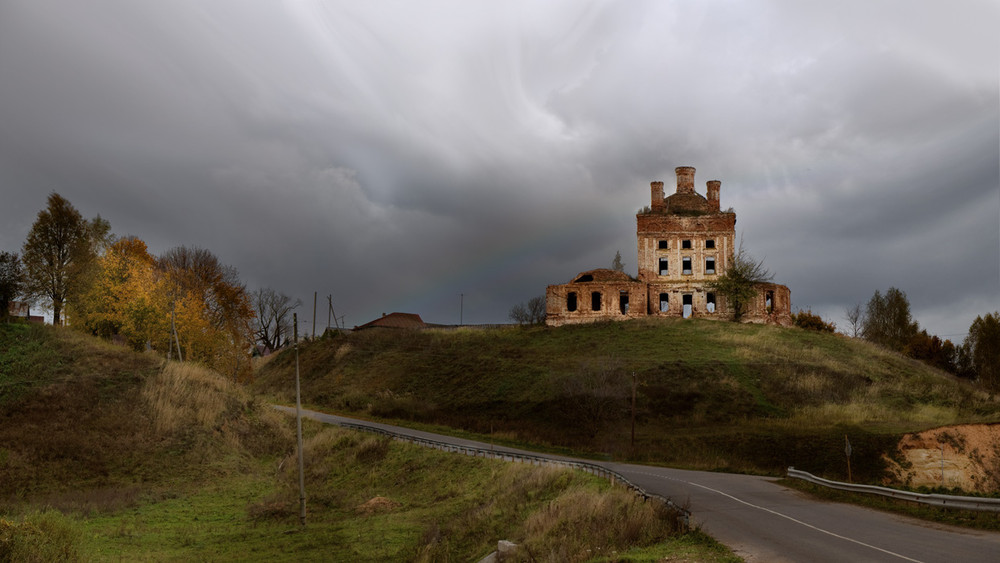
(888,321)
(981,350)
(11,281)
(738,284)
(617,264)
(56,252)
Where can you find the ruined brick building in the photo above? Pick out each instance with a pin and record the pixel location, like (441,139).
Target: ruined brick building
(685,242)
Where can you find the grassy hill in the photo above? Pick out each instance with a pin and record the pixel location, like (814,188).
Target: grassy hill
(106,454)
(709,394)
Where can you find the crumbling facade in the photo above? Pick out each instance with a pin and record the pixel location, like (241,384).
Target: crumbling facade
(685,242)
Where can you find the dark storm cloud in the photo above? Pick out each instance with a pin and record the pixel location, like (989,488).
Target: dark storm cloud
(399,154)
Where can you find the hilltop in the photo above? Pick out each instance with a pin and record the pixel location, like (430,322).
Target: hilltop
(109,454)
(711,395)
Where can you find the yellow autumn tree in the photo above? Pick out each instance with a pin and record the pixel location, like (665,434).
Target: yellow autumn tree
(123,297)
(211,310)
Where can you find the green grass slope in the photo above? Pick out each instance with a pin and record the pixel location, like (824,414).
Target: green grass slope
(709,394)
(109,455)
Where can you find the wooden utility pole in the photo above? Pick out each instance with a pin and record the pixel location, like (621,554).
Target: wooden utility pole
(298,422)
(314,315)
(461,309)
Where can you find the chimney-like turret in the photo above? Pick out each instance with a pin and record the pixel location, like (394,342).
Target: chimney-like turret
(713,193)
(685,179)
(657,203)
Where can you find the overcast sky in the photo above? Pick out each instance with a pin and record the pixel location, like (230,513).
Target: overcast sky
(400,154)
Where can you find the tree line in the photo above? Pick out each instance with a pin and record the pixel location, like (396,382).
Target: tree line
(184,302)
(886,320)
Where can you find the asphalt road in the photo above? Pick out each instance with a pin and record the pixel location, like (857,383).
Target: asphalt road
(763,521)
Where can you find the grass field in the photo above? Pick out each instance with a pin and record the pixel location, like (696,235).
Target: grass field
(710,395)
(108,455)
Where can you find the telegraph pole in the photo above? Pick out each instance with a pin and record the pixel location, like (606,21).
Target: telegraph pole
(461,309)
(314,315)
(298,421)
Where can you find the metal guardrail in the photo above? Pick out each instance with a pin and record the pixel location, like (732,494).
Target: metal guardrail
(980,504)
(592,468)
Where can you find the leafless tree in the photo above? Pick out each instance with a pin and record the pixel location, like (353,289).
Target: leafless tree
(274,317)
(531,313)
(856,318)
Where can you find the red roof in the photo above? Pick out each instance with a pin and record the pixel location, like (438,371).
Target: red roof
(395,320)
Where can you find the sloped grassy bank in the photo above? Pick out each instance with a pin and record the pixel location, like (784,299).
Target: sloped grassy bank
(110,455)
(708,394)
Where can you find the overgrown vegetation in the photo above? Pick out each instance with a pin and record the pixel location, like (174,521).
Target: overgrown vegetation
(710,395)
(107,454)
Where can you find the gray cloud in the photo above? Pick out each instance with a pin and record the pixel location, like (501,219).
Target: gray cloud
(398,155)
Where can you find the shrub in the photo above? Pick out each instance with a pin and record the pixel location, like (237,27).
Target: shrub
(42,537)
(809,321)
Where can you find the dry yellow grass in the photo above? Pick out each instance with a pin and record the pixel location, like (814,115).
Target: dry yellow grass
(185,394)
(186,397)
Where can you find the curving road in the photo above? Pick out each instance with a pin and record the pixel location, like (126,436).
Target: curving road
(763,521)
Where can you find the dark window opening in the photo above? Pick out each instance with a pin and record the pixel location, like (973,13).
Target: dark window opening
(710,302)
(664,266)
(709,265)
(595,301)
(686,265)
(688,301)
(710,243)
(664,302)
(663,245)
(623,301)
(584,278)
(571,301)
(769,302)
(686,244)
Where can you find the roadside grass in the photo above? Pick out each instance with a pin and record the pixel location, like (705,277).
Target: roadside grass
(955,517)
(710,395)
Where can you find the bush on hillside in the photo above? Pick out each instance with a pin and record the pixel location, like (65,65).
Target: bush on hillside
(42,537)
(810,321)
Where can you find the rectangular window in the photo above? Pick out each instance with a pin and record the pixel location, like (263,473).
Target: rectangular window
(623,302)
(686,265)
(571,301)
(687,303)
(769,302)
(710,243)
(664,302)
(686,244)
(663,245)
(710,302)
(710,265)
(595,301)
(664,267)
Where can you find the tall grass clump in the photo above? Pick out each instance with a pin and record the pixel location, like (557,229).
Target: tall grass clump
(611,521)
(41,537)
(196,406)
